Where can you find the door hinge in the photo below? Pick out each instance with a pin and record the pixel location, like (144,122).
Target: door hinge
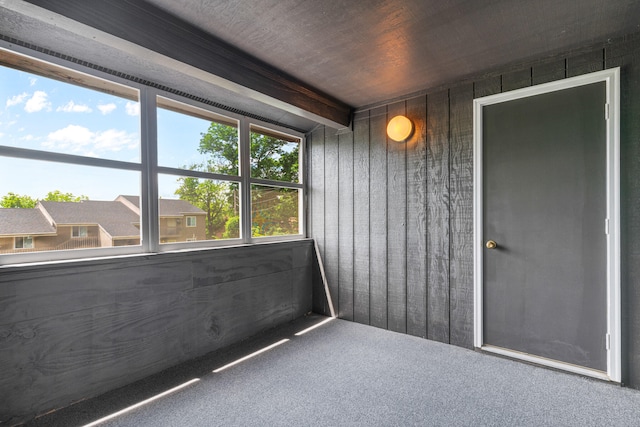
(606,226)
(606,111)
(608,341)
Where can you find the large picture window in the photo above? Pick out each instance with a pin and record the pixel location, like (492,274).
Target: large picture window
(79,178)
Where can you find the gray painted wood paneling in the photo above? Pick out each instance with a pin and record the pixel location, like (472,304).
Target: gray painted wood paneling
(397,227)
(584,63)
(73,330)
(316,214)
(345,226)
(627,56)
(516,79)
(378,218)
(461,216)
(331,214)
(487,86)
(549,71)
(361,229)
(417,219)
(438,216)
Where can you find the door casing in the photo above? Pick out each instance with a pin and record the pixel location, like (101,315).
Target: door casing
(611,225)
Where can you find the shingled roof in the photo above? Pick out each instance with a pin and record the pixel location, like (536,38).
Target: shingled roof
(168,207)
(24,222)
(114,217)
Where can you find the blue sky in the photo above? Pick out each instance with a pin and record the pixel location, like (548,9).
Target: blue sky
(44,114)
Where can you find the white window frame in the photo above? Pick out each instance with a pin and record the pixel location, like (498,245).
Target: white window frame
(148,168)
(79,228)
(191,221)
(15,242)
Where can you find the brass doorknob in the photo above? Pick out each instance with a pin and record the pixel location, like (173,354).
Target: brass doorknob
(491,244)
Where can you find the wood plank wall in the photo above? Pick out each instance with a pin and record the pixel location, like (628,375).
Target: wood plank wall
(400,256)
(75,330)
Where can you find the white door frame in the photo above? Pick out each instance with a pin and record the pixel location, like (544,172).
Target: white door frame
(611,225)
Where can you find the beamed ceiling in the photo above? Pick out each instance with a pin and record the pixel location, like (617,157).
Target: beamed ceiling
(303,62)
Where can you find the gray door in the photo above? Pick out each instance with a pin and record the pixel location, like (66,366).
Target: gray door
(544,189)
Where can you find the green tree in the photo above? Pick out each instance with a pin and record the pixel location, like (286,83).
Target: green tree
(59,196)
(12,200)
(271,158)
(211,197)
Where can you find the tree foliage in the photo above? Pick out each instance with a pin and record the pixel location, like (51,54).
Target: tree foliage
(271,158)
(59,196)
(211,197)
(12,200)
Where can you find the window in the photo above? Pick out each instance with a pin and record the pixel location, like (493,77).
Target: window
(276,191)
(209,175)
(79,231)
(24,242)
(80,144)
(202,178)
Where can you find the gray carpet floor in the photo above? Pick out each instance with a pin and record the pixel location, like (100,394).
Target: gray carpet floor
(347,374)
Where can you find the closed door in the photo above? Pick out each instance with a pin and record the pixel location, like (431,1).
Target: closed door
(544,204)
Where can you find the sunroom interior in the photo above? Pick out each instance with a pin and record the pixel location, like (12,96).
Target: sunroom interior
(248,183)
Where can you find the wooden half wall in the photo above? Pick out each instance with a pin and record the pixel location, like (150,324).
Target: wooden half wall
(394,221)
(74,330)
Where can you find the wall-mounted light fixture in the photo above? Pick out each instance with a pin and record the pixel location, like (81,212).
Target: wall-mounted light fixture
(399,128)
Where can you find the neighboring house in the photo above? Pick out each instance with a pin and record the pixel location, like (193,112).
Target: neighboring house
(20,229)
(91,224)
(180,221)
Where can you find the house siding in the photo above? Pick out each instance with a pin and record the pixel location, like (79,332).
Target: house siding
(403,260)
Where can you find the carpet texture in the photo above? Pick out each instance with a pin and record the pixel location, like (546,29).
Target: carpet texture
(347,374)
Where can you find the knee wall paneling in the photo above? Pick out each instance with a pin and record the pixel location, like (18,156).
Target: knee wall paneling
(71,331)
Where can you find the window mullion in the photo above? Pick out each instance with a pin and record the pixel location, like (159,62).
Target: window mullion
(149,155)
(245,175)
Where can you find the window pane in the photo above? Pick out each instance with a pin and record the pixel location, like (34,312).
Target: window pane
(191,138)
(274,156)
(274,211)
(192,209)
(64,207)
(44,114)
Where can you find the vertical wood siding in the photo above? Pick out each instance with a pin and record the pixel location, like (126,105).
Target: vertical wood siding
(407,207)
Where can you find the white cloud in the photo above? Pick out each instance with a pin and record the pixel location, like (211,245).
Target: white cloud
(115,140)
(37,102)
(106,108)
(1,134)
(28,138)
(73,137)
(132,108)
(79,139)
(32,81)
(17,99)
(72,107)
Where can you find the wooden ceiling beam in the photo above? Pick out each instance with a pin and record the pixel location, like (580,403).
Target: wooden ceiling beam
(137,24)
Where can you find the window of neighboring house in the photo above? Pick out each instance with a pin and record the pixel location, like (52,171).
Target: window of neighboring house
(24,242)
(191,221)
(276,190)
(79,231)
